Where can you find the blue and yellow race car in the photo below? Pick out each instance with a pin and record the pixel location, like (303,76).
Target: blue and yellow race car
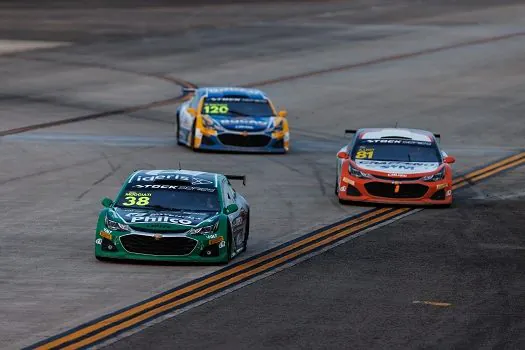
(232,119)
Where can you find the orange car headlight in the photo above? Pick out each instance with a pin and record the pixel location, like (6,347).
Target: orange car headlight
(440,175)
(358,173)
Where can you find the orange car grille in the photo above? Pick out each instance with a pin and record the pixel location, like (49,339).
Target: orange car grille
(388,190)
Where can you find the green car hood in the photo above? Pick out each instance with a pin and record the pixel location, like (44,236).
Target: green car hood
(140,219)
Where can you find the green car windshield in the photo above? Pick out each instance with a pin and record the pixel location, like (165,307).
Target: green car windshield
(200,199)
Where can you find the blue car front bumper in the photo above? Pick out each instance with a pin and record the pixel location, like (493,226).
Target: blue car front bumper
(257,143)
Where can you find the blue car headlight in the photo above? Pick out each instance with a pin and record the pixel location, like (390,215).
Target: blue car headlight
(440,175)
(116,226)
(204,230)
(211,123)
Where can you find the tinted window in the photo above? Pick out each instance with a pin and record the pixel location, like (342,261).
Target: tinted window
(184,198)
(236,107)
(396,150)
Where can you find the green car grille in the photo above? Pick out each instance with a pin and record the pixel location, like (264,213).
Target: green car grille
(156,245)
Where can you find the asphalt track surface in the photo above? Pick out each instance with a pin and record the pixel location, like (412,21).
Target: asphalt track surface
(451,67)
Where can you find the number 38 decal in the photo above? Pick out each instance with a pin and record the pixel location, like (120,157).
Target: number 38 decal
(133,200)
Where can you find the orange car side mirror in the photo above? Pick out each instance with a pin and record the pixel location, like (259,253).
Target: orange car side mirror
(283,114)
(342,155)
(449,160)
(192,111)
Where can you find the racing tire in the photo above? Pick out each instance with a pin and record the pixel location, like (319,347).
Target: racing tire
(192,139)
(245,242)
(443,206)
(103,259)
(179,142)
(229,246)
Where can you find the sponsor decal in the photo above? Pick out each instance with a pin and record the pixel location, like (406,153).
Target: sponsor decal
(106,235)
(397,142)
(348,181)
(342,188)
(222,244)
(243,121)
(215,240)
(138,194)
(440,186)
(175,187)
(398,167)
(157,236)
(98,241)
(199,181)
(149,217)
(155,175)
(157,219)
(172,215)
(211,236)
(163,177)
(397,175)
(448,193)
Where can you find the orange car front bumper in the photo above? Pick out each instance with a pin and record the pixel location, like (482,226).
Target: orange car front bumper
(395,192)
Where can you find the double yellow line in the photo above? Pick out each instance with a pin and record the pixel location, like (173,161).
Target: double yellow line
(489,170)
(107,326)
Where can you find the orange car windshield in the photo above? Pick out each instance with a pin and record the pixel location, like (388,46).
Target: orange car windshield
(396,150)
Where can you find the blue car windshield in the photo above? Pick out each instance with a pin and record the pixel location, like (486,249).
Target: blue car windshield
(396,150)
(236,107)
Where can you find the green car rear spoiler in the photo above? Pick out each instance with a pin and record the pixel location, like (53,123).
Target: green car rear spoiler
(237,177)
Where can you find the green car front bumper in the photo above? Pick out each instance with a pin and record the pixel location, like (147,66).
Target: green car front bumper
(166,247)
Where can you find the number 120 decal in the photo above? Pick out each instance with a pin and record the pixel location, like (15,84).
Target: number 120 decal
(215,108)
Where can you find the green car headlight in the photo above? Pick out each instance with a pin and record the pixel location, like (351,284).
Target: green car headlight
(204,230)
(116,226)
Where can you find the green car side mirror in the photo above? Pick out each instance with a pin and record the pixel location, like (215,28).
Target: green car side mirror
(107,202)
(232,208)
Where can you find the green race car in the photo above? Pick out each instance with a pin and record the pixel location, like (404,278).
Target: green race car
(174,215)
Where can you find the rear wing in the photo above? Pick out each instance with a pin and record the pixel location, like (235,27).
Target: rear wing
(237,177)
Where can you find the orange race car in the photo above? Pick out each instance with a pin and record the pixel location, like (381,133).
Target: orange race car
(397,166)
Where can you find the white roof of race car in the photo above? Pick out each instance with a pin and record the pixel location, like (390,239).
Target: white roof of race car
(411,134)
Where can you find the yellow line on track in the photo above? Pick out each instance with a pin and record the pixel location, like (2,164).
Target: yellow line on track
(489,167)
